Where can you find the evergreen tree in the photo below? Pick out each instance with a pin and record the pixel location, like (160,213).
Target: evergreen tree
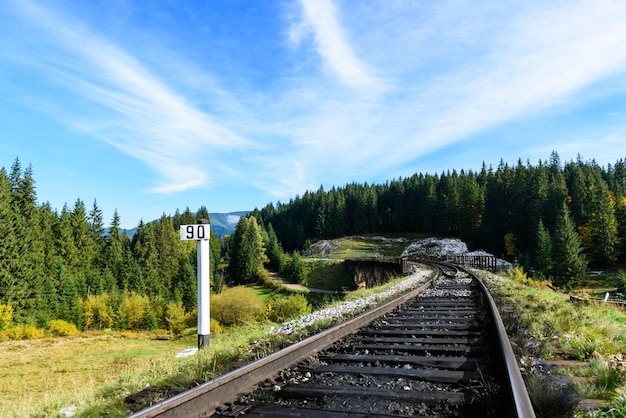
(168,242)
(12,288)
(296,268)
(569,261)
(203,213)
(66,247)
(275,253)
(114,253)
(83,240)
(236,254)
(603,223)
(188,285)
(543,255)
(96,226)
(247,251)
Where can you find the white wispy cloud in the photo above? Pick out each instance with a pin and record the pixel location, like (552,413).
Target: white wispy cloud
(406,79)
(146,119)
(320,17)
(536,60)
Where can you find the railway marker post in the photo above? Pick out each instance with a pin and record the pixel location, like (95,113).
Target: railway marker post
(201,232)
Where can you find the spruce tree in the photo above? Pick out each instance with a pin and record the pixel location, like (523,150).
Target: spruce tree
(543,253)
(247,251)
(83,240)
(96,226)
(114,253)
(12,288)
(603,223)
(275,253)
(66,247)
(236,255)
(569,261)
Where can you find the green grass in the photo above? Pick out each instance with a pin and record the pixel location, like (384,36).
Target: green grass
(39,377)
(267,293)
(328,274)
(561,328)
(367,246)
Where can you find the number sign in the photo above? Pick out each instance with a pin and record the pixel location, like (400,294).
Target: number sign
(195,232)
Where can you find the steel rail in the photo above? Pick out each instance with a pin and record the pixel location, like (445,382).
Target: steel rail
(517,388)
(203,400)
(523,405)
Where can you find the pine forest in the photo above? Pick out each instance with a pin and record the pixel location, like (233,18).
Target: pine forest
(556,220)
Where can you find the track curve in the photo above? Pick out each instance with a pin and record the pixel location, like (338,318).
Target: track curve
(439,351)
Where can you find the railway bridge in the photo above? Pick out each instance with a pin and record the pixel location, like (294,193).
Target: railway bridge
(370,272)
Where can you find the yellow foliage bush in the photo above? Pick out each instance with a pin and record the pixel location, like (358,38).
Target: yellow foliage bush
(215,327)
(97,312)
(519,275)
(176,318)
(133,311)
(235,306)
(6,315)
(61,328)
(24,332)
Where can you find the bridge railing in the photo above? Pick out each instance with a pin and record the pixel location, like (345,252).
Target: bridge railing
(483,262)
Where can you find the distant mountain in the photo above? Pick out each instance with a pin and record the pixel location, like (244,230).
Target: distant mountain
(224,223)
(221,223)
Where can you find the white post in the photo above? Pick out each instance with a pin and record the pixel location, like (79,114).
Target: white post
(204,287)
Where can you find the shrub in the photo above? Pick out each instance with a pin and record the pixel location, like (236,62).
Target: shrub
(61,328)
(550,400)
(6,316)
(97,312)
(215,327)
(24,332)
(150,320)
(176,318)
(236,305)
(192,318)
(133,311)
(283,309)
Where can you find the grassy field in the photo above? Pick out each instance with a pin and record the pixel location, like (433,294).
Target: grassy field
(42,376)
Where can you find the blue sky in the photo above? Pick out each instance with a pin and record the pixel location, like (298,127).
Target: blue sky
(153,106)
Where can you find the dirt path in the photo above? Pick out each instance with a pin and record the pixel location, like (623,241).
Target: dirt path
(299,287)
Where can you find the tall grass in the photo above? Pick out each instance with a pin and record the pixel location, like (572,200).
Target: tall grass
(554,326)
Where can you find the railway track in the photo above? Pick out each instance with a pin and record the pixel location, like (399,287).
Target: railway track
(438,351)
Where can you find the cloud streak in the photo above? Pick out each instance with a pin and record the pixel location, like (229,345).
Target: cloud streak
(146,119)
(366,92)
(536,62)
(320,18)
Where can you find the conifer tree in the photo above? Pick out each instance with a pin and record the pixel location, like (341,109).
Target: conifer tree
(12,288)
(66,247)
(114,253)
(96,226)
(543,252)
(603,224)
(83,239)
(169,255)
(236,254)
(569,261)
(275,253)
(247,251)
(188,285)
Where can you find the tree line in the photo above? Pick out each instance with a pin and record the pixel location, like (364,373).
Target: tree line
(56,265)
(557,219)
